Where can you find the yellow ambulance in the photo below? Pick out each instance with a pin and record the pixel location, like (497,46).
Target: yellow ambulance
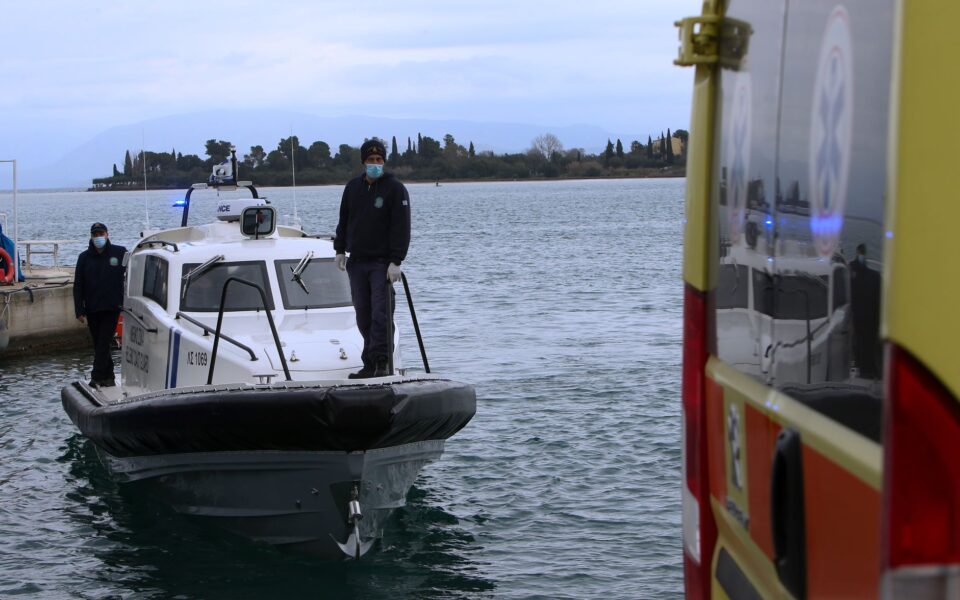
(821,422)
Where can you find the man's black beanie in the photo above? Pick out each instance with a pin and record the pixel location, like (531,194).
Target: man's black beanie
(370,147)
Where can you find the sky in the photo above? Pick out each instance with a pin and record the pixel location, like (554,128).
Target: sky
(71,70)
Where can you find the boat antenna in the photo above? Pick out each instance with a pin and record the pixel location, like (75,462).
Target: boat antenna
(143,159)
(293,167)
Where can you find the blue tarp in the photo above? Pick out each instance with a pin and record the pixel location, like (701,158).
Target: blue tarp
(7,244)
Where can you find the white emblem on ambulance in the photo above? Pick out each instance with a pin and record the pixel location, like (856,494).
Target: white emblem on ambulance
(737,154)
(831,129)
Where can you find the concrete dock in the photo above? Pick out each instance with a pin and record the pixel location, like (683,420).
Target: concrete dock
(37,315)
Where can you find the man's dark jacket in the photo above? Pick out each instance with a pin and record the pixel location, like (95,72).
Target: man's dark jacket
(98,286)
(374,220)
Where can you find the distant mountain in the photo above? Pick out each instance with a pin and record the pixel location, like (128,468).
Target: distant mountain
(245,128)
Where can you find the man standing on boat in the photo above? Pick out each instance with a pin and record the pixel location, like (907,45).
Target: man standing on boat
(98,297)
(374,228)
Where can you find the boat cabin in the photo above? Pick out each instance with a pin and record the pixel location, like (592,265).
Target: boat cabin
(282,307)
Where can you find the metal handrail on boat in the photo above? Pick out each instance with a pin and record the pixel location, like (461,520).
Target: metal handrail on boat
(203,186)
(266,308)
(161,242)
(390,307)
(138,319)
(208,330)
(416,326)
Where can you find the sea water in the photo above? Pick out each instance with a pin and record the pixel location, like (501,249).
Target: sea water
(560,301)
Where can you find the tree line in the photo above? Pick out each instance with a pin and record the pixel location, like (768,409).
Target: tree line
(423,159)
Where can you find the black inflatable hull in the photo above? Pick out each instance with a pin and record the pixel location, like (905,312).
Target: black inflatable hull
(346,418)
(278,464)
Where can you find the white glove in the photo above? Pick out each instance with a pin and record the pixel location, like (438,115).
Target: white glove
(393,273)
(341,261)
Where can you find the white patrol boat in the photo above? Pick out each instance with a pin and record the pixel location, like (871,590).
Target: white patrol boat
(235,402)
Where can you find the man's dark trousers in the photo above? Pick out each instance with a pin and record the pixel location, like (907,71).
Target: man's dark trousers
(368,289)
(102,326)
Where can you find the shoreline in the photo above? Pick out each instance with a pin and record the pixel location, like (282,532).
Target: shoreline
(665,173)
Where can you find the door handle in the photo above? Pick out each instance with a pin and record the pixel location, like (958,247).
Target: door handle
(787,513)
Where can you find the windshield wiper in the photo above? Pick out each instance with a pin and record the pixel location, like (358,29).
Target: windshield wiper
(196,272)
(299,269)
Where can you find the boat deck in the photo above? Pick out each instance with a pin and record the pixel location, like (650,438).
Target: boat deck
(112,394)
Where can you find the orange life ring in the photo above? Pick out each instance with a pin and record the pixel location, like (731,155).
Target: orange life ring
(10,269)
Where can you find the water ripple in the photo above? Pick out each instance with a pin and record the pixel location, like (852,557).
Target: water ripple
(560,301)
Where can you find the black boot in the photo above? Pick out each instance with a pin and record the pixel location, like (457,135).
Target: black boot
(363,373)
(381,369)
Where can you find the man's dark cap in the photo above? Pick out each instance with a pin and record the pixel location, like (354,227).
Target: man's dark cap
(371,147)
(97,228)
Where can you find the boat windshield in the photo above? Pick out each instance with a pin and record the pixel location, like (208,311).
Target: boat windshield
(322,284)
(796,297)
(203,295)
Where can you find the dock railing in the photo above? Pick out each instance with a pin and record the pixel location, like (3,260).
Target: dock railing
(31,252)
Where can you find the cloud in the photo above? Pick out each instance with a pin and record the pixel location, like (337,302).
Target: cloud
(90,67)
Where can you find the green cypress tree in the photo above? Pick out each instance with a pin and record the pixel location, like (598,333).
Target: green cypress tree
(116,173)
(608,153)
(471,153)
(619,149)
(669,147)
(127,165)
(649,147)
(394,155)
(419,143)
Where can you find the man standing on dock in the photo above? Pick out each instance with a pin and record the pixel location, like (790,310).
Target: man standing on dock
(374,228)
(98,298)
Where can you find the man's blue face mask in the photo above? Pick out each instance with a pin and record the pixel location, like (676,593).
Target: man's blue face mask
(100,242)
(374,171)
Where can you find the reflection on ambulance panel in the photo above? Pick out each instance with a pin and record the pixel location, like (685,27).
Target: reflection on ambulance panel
(865,301)
(738,325)
(788,325)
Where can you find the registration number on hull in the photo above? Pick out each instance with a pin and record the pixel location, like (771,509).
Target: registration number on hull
(197,359)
